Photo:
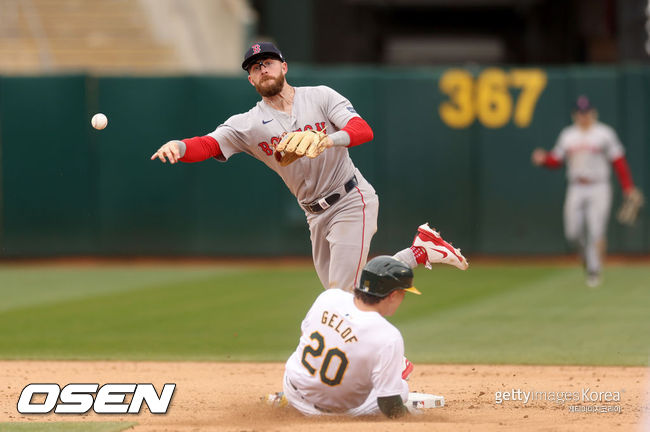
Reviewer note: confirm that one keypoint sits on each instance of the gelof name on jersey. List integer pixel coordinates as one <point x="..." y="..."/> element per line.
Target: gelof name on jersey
<point x="339" y="325"/>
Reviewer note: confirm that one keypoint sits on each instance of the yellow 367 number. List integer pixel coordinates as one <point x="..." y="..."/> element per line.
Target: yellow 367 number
<point x="489" y="98"/>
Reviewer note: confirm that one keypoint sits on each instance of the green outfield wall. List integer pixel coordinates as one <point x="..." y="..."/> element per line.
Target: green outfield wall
<point x="452" y="146"/>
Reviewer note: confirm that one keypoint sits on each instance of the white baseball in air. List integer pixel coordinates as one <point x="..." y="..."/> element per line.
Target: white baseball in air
<point x="99" y="121"/>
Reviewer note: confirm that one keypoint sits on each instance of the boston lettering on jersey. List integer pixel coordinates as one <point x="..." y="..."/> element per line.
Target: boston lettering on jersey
<point x="336" y="322"/>
<point x="269" y="149"/>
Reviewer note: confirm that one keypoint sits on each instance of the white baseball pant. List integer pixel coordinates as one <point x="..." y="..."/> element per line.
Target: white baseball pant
<point x="586" y="214"/>
<point x="368" y="407"/>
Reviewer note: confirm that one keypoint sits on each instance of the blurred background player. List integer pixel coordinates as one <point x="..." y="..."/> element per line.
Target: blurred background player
<point x="350" y="359"/>
<point x="589" y="147"/>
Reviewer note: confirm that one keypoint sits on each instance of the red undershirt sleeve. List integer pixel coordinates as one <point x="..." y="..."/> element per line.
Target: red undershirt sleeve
<point x="552" y="162"/>
<point x="359" y="131"/>
<point x="623" y="173"/>
<point x="200" y="148"/>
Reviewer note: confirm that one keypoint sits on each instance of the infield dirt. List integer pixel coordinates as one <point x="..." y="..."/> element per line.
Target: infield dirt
<point x="226" y="397"/>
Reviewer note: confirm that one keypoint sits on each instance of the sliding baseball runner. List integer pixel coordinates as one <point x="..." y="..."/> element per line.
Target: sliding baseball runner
<point x="350" y="359"/>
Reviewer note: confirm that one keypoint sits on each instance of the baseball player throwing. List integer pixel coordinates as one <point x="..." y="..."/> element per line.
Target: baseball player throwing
<point x="350" y="359"/>
<point x="588" y="146"/>
<point x="303" y="134"/>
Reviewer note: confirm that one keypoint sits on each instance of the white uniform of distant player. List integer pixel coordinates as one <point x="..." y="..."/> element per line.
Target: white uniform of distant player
<point x="588" y="155"/>
<point x="345" y="360"/>
<point x="341" y="234"/>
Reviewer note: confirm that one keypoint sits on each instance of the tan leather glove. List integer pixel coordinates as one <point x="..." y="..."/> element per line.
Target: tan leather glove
<point x="295" y="145"/>
<point x="632" y="203"/>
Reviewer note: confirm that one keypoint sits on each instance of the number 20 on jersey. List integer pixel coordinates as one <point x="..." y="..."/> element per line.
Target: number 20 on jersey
<point x="488" y="98"/>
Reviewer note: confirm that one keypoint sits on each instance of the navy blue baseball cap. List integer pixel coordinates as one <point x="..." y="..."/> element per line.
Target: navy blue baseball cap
<point x="583" y="105"/>
<point x="261" y="50"/>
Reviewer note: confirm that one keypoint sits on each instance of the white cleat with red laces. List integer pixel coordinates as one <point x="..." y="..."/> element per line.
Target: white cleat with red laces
<point x="437" y="249"/>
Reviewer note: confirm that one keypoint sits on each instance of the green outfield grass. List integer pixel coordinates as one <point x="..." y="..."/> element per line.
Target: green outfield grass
<point x="489" y="314"/>
<point x="66" y="427"/>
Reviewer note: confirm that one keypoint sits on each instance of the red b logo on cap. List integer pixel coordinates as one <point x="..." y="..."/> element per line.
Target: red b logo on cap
<point x="256" y="49"/>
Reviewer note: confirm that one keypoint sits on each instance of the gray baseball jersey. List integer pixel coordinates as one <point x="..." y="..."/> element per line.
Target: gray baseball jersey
<point x="341" y="234"/>
<point x="345" y="360"/>
<point x="259" y="130"/>
<point x="588" y="154"/>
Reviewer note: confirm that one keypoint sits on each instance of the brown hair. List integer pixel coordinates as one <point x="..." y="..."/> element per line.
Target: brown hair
<point x="366" y="298"/>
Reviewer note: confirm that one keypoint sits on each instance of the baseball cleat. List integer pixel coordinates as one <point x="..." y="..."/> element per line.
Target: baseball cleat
<point x="276" y="399"/>
<point x="593" y="280"/>
<point x="437" y="249"/>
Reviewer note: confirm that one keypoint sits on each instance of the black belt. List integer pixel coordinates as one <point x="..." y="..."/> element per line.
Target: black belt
<point x="324" y="203"/>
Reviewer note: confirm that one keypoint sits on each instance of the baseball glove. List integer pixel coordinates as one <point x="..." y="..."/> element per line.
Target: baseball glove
<point x="295" y="145"/>
<point x="632" y="202"/>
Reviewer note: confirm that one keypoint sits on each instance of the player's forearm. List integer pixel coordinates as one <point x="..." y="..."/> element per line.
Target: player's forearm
<point x="198" y="149"/>
<point x="356" y="131"/>
<point x="622" y="170"/>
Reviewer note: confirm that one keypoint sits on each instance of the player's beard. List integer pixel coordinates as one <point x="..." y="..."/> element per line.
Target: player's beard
<point x="270" y="87"/>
